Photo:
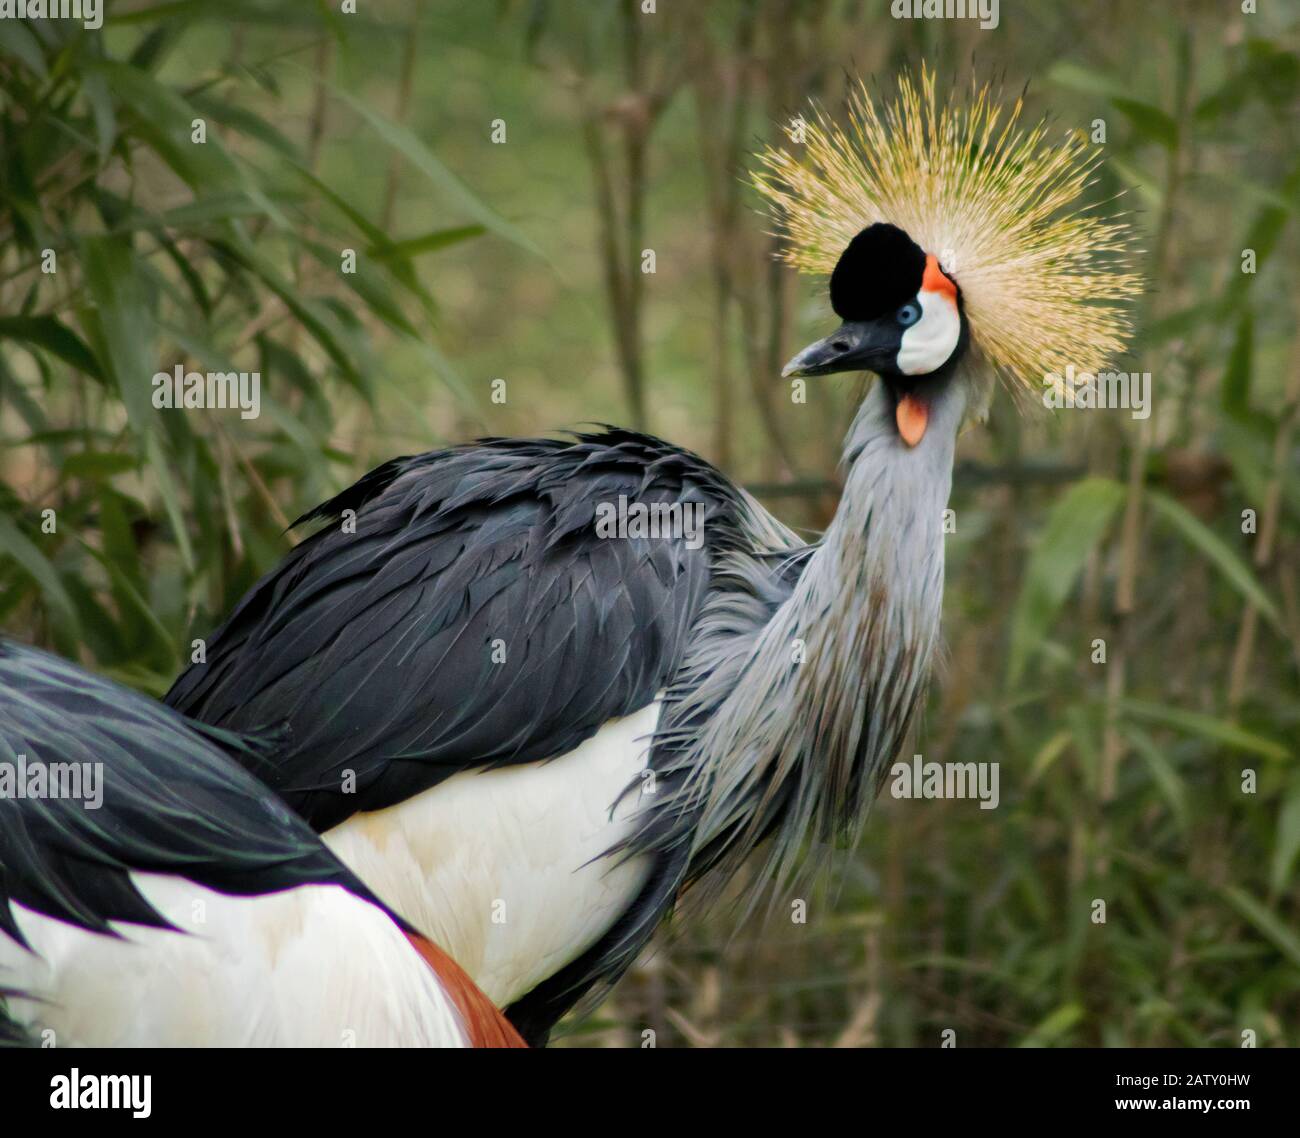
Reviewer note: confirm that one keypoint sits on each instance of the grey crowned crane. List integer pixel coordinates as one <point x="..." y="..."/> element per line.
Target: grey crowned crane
<point x="532" y="736"/>
<point x="152" y="892"/>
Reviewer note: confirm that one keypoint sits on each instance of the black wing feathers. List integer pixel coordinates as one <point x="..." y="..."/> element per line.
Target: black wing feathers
<point x="474" y="618"/>
<point x="172" y="802"/>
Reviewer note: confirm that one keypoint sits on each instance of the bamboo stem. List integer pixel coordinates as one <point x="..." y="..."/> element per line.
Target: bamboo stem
<point x="1113" y="746"/>
<point x="1268" y="531"/>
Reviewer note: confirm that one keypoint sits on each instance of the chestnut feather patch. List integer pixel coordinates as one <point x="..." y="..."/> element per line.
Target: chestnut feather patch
<point x="484" y="1023"/>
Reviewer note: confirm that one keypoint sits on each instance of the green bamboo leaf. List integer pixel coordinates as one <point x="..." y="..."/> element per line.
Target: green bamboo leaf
<point x="56" y="338"/>
<point x="1235" y="388"/>
<point x="1054" y="1026"/>
<point x="241" y="250"/>
<point x="191" y="276"/>
<point x="118" y="543"/>
<point x="1207" y="727"/>
<point x="171" y="500"/>
<point x="29" y="409"/>
<point x="307" y="444"/>
<point x="1089" y="80"/>
<point x="125" y="321"/>
<point x="165" y="119"/>
<point x="1146" y="187"/>
<point x="16" y="39"/>
<point x="1183" y="322"/>
<point x="1168" y="781"/>
<point x="101" y="634"/>
<point x="1219" y="553"/>
<point x="1287" y="845"/>
<point x="1047" y="755"/>
<point x="447" y="372"/>
<point x="369" y="285"/>
<point x="419" y="155"/>
<point x="428" y="243"/>
<point x="15" y="544"/>
<point x="137" y="611"/>
<point x="278" y="360"/>
<point x="97" y="465"/>
<point x="1266" y="921"/>
<point x="245" y="121"/>
<point x="402" y="269"/>
<point x="1248" y="446"/>
<point x="1263" y="236"/>
<point x="372" y="232"/>
<point x="212" y="208"/>
<point x="1150" y="121"/>
<point x="1074" y="526"/>
<point x="96" y="92"/>
<point x="147" y="54"/>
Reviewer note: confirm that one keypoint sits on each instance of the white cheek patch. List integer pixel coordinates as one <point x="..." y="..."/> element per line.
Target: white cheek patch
<point x="928" y="343"/>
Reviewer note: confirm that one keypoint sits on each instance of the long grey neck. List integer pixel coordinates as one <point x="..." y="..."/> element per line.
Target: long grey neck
<point x="793" y="729"/>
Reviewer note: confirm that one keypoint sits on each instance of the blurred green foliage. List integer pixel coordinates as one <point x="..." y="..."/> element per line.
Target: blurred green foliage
<point x="1127" y="781"/>
<point x="154" y="220"/>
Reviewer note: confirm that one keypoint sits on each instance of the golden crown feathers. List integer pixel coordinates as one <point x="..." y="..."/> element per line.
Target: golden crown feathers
<point x="1044" y="282"/>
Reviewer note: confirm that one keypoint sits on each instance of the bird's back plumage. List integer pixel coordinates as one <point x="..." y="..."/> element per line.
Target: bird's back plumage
<point x="473" y="619"/>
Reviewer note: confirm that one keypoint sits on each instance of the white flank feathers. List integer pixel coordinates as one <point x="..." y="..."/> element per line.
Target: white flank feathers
<point x="314" y="966"/>
<point x="503" y="868"/>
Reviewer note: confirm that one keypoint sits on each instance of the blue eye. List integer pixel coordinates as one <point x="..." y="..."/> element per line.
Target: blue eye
<point x="908" y="315"/>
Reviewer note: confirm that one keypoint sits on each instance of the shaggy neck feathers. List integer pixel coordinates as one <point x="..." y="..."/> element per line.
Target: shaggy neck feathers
<point x="789" y="709"/>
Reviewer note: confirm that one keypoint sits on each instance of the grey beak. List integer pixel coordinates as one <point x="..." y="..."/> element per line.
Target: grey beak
<point x="856" y="345"/>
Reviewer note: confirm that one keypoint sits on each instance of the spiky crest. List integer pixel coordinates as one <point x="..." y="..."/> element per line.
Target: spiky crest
<point x="1045" y="283"/>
